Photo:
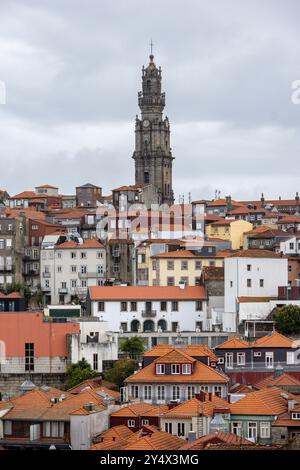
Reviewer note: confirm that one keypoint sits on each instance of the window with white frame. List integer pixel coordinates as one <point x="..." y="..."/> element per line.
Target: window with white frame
<point x="131" y="423"/>
<point x="295" y="415"/>
<point x="180" y="429"/>
<point x="160" y="369"/>
<point x="145" y="422"/>
<point x="241" y="359"/>
<point x="190" y="392"/>
<point x="252" y="430"/>
<point x="7" y="428"/>
<point x="135" y="391"/>
<point x="175" y="369"/>
<point x="169" y="428"/>
<point x="236" y="428"/>
<point x="161" y="392"/>
<point x="147" y="392"/>
<point x="265" y="429"/>
<point x="186" y="369"/>
<point x="175" y="392"/>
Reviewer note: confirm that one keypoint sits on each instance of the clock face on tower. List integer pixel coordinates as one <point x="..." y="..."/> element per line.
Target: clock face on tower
<point x="146" y="123"/>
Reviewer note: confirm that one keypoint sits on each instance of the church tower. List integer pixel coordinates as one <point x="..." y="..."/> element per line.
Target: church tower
<point x="152" y="155"/>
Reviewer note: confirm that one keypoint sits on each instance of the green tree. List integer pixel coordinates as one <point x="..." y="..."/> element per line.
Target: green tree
<point x="287" y="320"/>
<point x="79" y="372"/>
<point x="120" y="371"/>
<point x="133" y="346"/>
<point x="17" y="287"/>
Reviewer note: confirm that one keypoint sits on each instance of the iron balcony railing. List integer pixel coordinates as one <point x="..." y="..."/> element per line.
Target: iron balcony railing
<point x="148" y="313"/>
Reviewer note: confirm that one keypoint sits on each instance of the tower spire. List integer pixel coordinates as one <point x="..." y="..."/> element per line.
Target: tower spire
<point x="151" y="50"/>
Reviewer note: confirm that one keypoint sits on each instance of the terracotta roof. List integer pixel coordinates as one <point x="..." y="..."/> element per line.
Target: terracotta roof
<point x="255" y="299"/>
<point x="87" y="244"/>
<point x="156" y="441"/>
<point x="12" y="295"/>
<point x="147" y="293"/>
<point x="223" y="202"/>
<point x="285" y="420"/>
<point x="175" y="254"/>
<point x="201" y="374"/>
<point x="61" y="411"/>
<point x="175" y="356"/>
<point x="195" y="407"/>
<point x="46" y="186"/>
<point x="24" y="195"/>
<point x="197" y="350"/>
<point x="139" y="409"/>
<point x="275" y="340"/>
<point x="283" y="380"/>
<point x="215" y="438"/>
<point x="255" y="254"/>
<point x="233" y="343"/>
<point x="288" y="219"/>
<point x="32" y="405"/>
<point x="117" y="432"/>
<point x="241" y="388"/>
<point x="267" y="402"/>
<point x="246" y="210"/>
<point x="221" y="223"/>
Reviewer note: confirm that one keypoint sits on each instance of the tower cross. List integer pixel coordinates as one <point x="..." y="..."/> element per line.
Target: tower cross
<point x="151" y="47"/>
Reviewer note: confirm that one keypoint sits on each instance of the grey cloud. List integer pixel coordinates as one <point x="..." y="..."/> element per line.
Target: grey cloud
<point x="72" y="71"/>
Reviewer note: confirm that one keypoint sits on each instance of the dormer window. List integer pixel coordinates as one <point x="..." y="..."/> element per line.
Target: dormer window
<point x="175" y="369"/>
<point x="186" y="369"/>
<point x="296" y="416"/>
<point x="160" y="369"/>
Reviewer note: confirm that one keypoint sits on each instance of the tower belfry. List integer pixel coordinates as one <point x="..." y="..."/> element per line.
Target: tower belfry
<point x="152" y="155"/>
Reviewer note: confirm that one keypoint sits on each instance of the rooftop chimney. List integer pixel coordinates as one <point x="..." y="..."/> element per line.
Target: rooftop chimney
<point x="191" y="436"/>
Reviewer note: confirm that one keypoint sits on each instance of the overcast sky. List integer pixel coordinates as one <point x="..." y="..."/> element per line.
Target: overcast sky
<point x="72" y="71"/>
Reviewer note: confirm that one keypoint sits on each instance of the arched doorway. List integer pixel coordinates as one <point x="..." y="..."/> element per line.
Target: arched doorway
<point x="148" y="326"/>
<point x="162" y="324"/>
<point x="135" y="326"/>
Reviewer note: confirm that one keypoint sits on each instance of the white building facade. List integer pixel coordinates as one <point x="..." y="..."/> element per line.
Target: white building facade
<point x="147" y="309"/>
<point x="252" y="277"/>
<point x="68" y="269"/>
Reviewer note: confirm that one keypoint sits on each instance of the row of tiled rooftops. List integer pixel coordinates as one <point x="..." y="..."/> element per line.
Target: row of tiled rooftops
<point x="51" y="404"/>
<point x="151" y="438"/>
<point x="272" y="402"/>
<point x="274" y="340"/>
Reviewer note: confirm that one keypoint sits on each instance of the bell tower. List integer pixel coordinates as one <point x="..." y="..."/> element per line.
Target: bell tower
<point x="152" y="155"/>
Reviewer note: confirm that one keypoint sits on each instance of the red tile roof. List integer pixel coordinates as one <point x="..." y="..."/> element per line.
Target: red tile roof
<point x="283" y="380"/>
<point x="201" y="374"/>
<point x="233" y="343"/>
<point x="87" y="244"/>
<point x="147" y="293"/>
<point x="198" y="350"/>
<point x="215" y="438"/>
<point x="275" y="340"/>
<point x="255" y="254"/>
<point x="271" y="401"/>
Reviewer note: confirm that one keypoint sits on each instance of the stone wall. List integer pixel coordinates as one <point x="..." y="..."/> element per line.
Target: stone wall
<point x="10" y="383"/>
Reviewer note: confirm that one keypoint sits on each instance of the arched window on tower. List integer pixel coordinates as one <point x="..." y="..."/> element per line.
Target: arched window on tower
<point x="146" y="177"/>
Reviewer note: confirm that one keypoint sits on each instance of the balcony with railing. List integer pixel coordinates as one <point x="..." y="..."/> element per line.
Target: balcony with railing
<point x="63" y="290"/>
<point x="6" y="268"/>
<point x="148" y="313"/>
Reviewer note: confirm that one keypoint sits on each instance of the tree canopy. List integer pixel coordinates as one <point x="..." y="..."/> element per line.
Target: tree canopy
<point x="120" y="371"/>
<point x="79" y="372"/>
<point x="133" y="346"/>
<point x="287" y="320"/>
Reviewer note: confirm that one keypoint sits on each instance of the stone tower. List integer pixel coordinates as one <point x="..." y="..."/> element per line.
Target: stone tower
<point x="152" y="155"/>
